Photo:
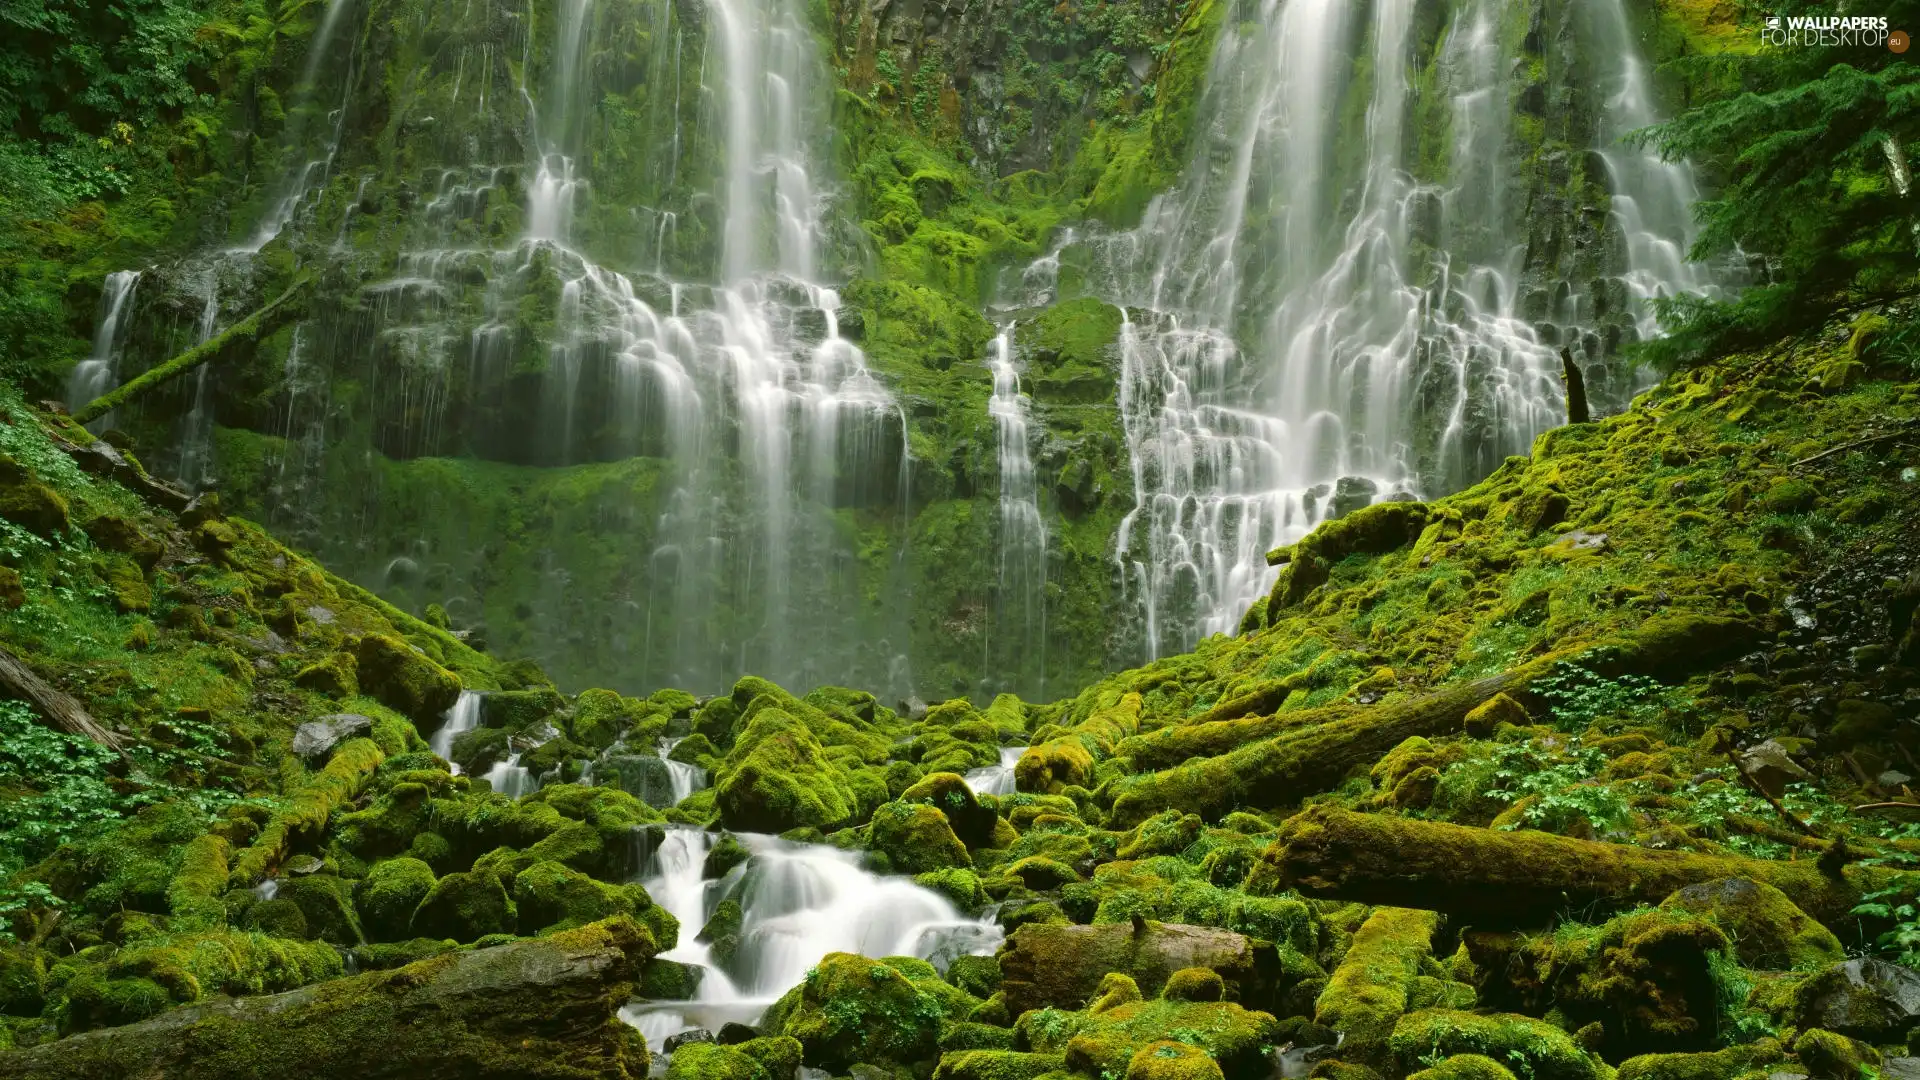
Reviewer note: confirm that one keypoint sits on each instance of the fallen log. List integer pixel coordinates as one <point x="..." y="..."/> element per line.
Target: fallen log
<point x="276" y="313"/>
<point x="59" y="707"/>
<point x="545" y="1008"/>
<point x="1302" y="760"/>
<point x="1492" y="878"/>
<point x="1210" y="738"/>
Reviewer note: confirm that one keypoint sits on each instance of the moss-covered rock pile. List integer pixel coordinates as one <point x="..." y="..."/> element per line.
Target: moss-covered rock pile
<point x="1601" y="768"/>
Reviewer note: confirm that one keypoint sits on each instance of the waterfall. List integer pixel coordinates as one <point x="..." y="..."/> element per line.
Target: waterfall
<point x="1319" y="318"/>
<point x="798" y="902"/>
<point x="462" y="717"/>
<point x="685" y="779"/>
<point x="996" y="779"/>
<point x="510" y="778"/>
<point x="1652" y="198"/>
<point x="1023" y="534"/>
<point x="99" y="372"/>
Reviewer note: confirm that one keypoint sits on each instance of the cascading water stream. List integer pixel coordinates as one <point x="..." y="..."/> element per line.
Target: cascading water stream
<point x="996" y="779"/>
<point x="798" y="903"/>
<point x="1022" y="623"/>
<point x="99" y="372"/>
<point x="686" y="779"/>
<point x="461" y="718"/>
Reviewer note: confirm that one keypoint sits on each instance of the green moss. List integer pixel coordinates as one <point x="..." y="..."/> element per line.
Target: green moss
<point x="1766" y="928"/>
<point x="465" y="907"/>
<point x="985" y="1064"/>
<point x="960" y="885"/>
<point x="1369" y="990"/>
<point x="1465" y="1067"/>
<point x="401" y="677"/>
<point x="550" y="897"/>
<point x="853" y="1010"/>
<point x="1542" y="1050"/>
<point x="916" y="839"/>
<point x="778" y="777"/>
<point x="1235" y="1038"/>
<point x="387" y="898"/>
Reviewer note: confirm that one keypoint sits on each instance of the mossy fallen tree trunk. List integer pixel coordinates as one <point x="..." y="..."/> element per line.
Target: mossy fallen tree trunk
<point x="1172" y="745"/>
<point x="1494" y="878"/>
<point x="1269" y="762"/>
<point x="276" y="313"/>
<point x="66" y="713"/>
<point x="1302" y="758"/>
<point x="546" y="1008"/>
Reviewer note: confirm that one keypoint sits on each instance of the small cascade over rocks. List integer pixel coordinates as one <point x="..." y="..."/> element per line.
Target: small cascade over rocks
<point x="996" y="779"/>
<point x="686" y="779"/>
<point x="462" y="717"/>
<point x="99" y="372"/>
<point x="798" y="903"/>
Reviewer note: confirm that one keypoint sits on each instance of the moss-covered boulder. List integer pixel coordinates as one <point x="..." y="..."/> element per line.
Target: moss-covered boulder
<point x="1866" y="998"/>
<point x="996" y="1065"/>
<point x="549" y="896"/>
<point x="778" y="777"/>
<point x="1767" y="929"/>
<point x="601" y="716"/>
<point x="405" y="679"/>
<point x="1103" y="1042"/>
<point x="465" y="907"/>
<point x="916" y="839"/>
<point x="973" y="822"/>
<point x="547" y="1008"/>
<point x="1543" y="1050"/>
<point x="388" y="896"/>
<point x="1465" y="1067"/>
<point x="1063" y="966"/>
<point x="1371" y="988"/>
<point x="851" y="1010"/>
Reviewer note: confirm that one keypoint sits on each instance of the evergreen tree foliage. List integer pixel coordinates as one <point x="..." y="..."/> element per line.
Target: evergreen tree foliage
<point x="1813" y="179"/>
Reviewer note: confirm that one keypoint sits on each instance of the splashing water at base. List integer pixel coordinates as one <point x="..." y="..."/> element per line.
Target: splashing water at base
<point x="996" y="779"/>
<point x="799" y="902"/>
<point x="512" y="779"/>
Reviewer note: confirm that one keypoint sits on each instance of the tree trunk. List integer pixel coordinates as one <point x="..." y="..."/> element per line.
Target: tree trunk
<point x="543" y="1009"/>
<point x="283" y="309"/>
<point x="67" y="714"/>
<point x="1491" y="878"/>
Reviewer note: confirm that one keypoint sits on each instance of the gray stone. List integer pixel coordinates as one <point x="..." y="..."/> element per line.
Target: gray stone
<point x="1866" y="998"/>
<point x="691" y="1035"/>
<point x="315" y="739"/>
<point x="1770" y="766"/>
<point x="1900" y="1068"/>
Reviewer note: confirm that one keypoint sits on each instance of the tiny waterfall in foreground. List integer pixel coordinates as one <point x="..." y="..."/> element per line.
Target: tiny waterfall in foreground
<point x="462" y="717"/>
<point x="996" y="779"/>
<point x="1318" y="317"/>
<point x="798" y="902"/>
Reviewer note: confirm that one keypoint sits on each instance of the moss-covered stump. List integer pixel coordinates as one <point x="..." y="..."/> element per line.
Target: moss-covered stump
<point x="546" y="1008"/>
<point x="1515" y="878"/>
<point x="1062" y="966"/>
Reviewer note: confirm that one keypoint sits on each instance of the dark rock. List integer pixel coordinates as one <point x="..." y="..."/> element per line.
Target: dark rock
<point x="692" y="1035"/>
<point x="732" y="1033"/>
<point x="1351" y="493"/>
<point x="1866" y="998"/>
<point x="315" y="739"/>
